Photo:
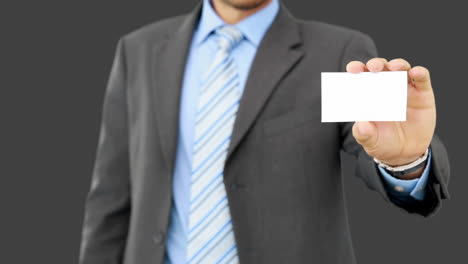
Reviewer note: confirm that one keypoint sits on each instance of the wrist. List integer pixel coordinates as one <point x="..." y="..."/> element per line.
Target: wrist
<point x="412" y="175"/>
<point x="411" y="169"/>
<point x="402" y="161"/>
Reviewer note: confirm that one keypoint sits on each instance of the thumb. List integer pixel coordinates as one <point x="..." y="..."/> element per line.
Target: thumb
<point x="365" y="134"/>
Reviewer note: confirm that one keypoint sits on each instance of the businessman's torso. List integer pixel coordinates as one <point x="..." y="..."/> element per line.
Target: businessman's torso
<point x="282" y="174"/>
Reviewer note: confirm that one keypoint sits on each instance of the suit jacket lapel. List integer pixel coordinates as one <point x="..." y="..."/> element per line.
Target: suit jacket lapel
<point x="168" y="65"/>
<point x="276" y="55"/>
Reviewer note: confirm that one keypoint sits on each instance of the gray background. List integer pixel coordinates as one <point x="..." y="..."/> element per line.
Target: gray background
<point x="55" y="58"/>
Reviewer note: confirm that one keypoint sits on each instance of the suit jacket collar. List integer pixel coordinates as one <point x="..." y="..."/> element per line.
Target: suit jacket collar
<point x="282" y="39"/>
<point x="277" y="54"/>
<point x="167" y="68"/>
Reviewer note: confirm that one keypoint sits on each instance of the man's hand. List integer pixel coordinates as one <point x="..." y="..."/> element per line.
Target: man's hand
<point x="399" y="143"/>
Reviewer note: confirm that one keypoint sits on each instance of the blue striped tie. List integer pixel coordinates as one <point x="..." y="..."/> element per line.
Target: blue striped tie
<point x="211" y="238"/>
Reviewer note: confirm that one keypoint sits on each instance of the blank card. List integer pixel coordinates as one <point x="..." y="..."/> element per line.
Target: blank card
<point x="365" y="96"/>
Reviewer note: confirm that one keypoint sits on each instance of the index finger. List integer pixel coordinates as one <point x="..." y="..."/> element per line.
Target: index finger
<point x="356" y="67"/>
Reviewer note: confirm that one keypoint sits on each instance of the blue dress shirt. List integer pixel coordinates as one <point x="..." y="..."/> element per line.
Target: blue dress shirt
<point x="415" y="188"/>
<point x="202" y="51"/>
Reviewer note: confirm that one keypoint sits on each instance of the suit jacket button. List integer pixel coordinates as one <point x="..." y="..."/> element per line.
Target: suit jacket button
<point x="234" y="186"/>
<point x="158" y="238"/>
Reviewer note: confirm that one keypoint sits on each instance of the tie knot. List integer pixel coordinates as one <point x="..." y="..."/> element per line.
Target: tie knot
<point x="228" y="37"/>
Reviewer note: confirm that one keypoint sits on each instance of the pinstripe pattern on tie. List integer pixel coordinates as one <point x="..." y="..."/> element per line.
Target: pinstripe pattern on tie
<point x="210" y="237"/>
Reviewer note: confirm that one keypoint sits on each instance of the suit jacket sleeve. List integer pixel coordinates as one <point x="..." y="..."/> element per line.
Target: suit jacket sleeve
<point x="361" y="47"/>
<point x="107" y="206"/>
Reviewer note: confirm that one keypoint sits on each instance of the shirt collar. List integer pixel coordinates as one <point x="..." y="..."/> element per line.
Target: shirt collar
<point x="253" y="27"/>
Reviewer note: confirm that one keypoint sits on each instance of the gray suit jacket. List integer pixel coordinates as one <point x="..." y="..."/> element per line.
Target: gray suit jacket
<point x="282" y="173"/>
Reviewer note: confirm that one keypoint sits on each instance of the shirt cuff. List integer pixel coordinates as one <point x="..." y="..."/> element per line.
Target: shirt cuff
<point x="415" y="188"/>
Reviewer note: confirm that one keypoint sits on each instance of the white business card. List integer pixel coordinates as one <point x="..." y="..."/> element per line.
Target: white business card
<point x="366" y="96"/>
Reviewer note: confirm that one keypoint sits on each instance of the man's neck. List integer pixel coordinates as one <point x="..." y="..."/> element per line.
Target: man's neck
<point x="233" y="15"/>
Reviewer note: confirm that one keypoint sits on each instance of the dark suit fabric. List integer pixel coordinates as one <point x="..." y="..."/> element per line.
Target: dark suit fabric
<point x="282" y="173"/>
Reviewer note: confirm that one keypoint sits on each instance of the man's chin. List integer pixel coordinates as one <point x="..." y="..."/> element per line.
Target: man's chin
<point x="245" y="4"/>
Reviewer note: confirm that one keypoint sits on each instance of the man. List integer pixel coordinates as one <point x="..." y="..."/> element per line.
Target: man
<point x="212" y="150"/>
